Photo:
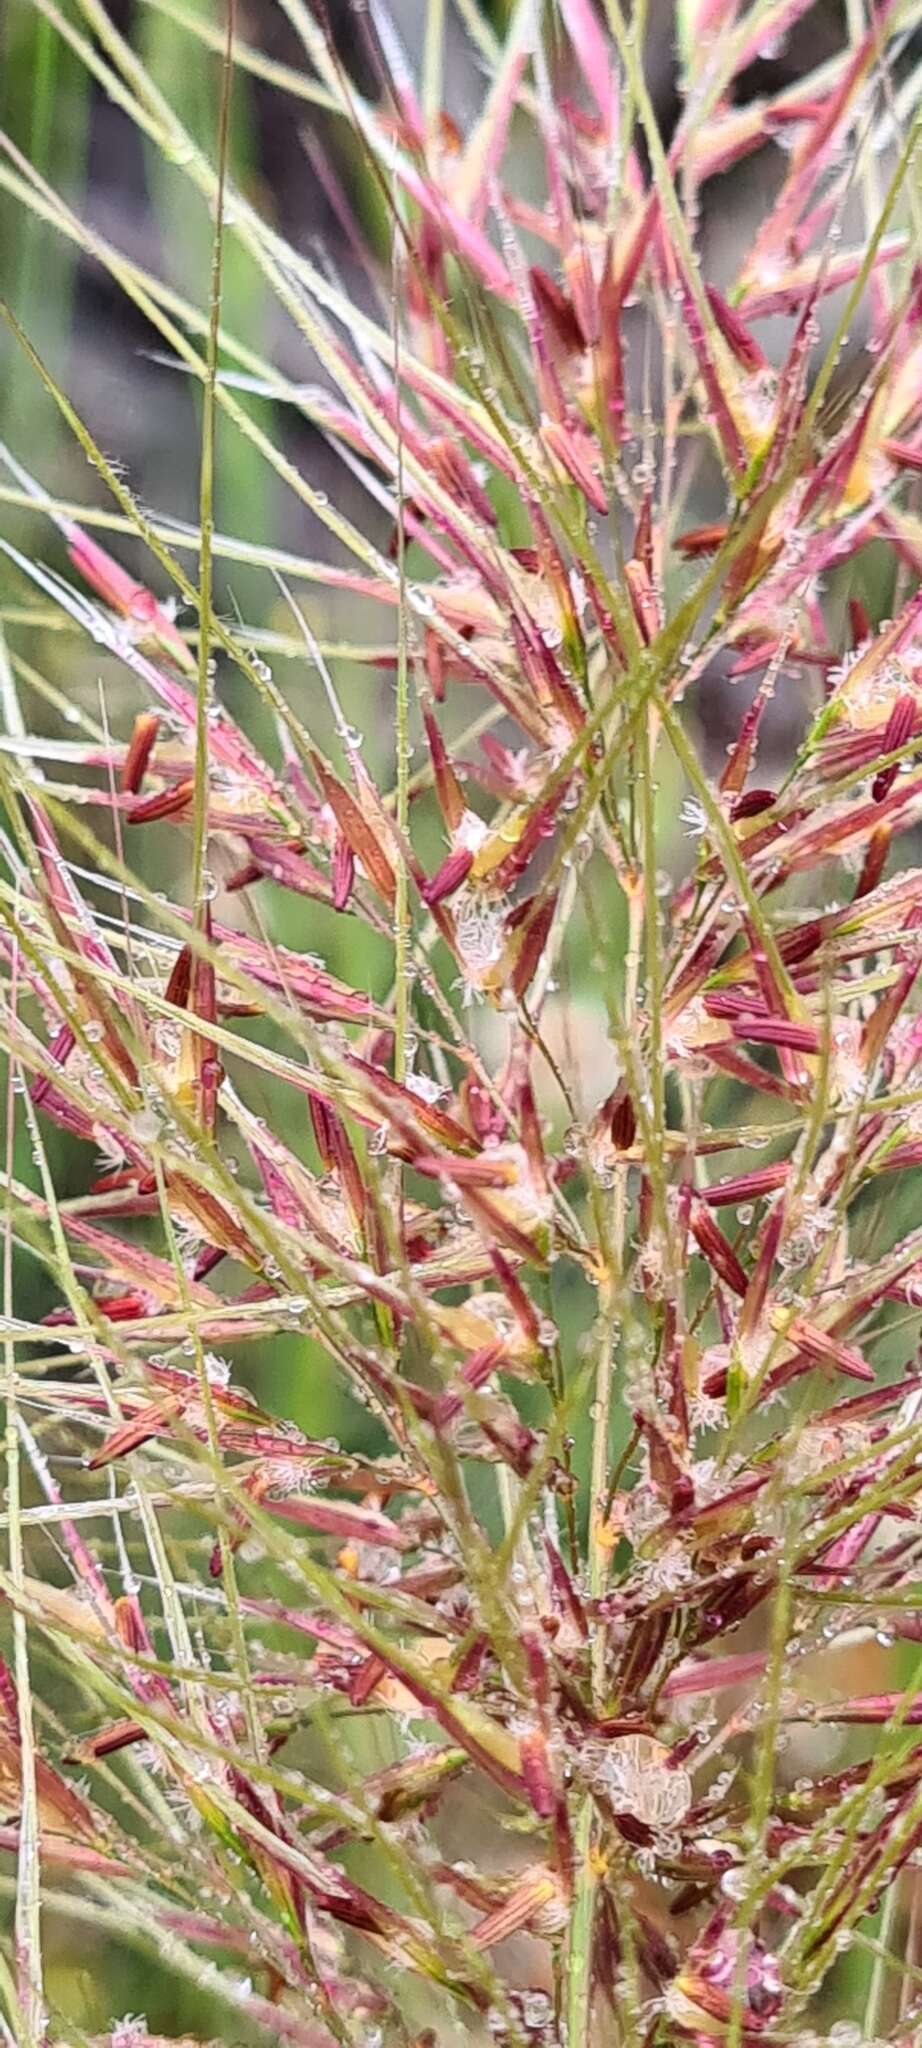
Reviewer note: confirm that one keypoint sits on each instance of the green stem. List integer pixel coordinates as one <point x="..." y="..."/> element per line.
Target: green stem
<point x="30" y="2002"/>
<point x="206" y="482"/>
<point x="401" y="902"/>
<point x="579" y="1958"/>
<point x="877" y="1990"/>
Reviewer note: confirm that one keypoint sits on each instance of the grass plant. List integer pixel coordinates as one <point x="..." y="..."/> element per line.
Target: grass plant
<point x="416" y="1020"/>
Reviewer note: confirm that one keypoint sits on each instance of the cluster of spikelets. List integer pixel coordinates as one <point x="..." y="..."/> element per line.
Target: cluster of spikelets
<point x="623" y="1675"/>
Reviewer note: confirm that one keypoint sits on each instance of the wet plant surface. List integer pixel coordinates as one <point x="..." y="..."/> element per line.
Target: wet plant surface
<point x="414" y="1014"/>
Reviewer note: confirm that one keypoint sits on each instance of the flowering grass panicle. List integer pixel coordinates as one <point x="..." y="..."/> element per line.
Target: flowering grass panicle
<point x="571" y="1693"/>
